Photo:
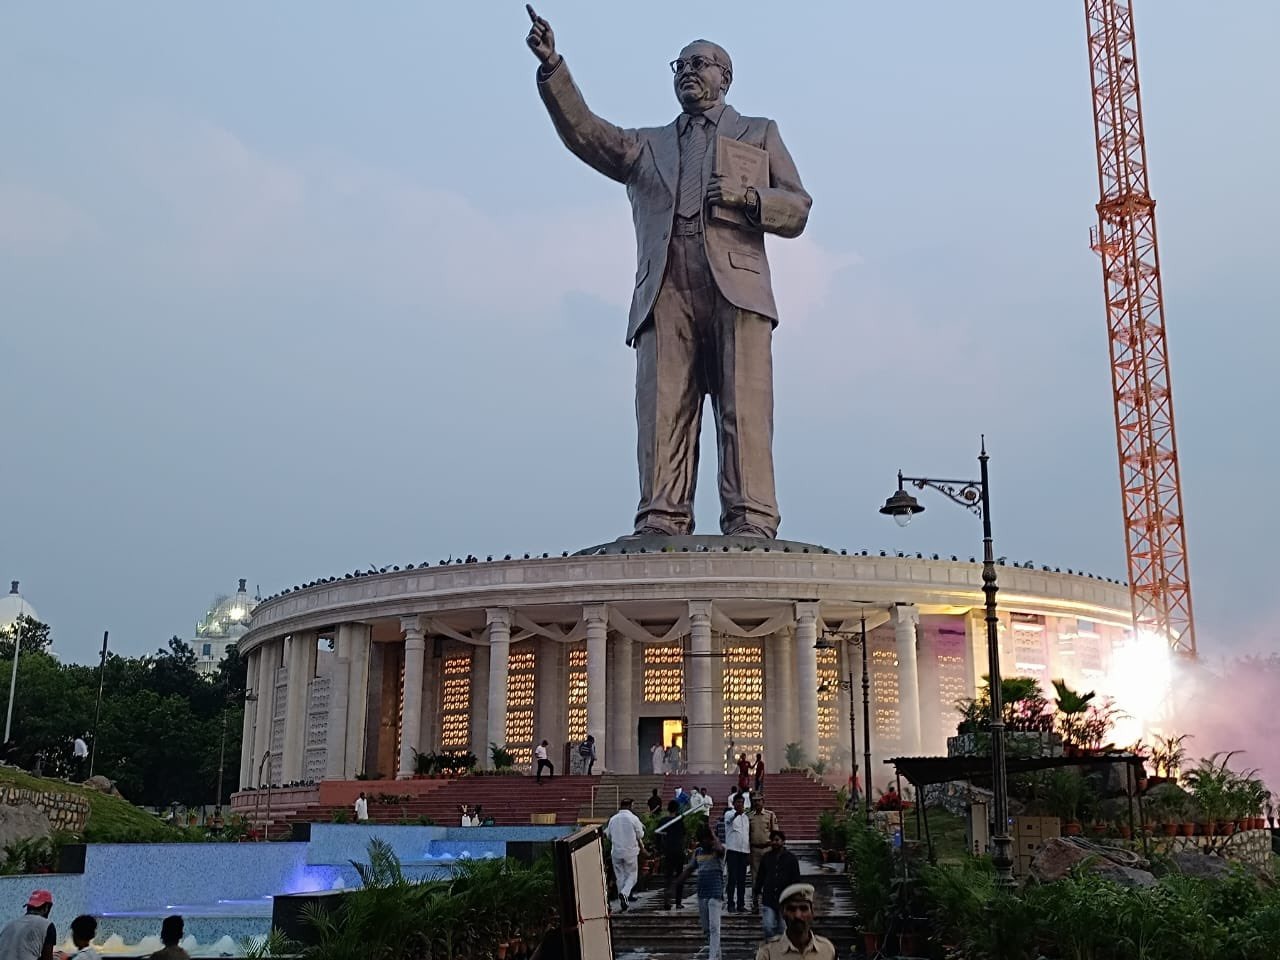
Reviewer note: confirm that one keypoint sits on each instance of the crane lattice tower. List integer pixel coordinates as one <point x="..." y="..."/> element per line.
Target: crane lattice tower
<point x="1125" y="238"/>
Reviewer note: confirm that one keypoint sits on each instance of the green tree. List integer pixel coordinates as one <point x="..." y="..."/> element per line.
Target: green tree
<point x="34" y="634"/>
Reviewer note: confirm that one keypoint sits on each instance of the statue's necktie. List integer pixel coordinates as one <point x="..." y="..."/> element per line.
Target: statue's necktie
<point x="692" y="153"/>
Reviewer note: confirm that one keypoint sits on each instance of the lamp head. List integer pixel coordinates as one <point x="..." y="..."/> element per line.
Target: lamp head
<point x="902" y="506"/>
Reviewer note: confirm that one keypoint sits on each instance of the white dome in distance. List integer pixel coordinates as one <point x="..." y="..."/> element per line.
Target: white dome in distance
<point x="12" y="606"/>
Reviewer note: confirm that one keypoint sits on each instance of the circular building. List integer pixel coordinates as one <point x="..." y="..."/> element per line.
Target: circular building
<point x="708" y="643"/>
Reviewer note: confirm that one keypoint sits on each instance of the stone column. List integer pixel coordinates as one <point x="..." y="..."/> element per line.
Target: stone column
<point x="844" y="698"/>
<point x="250" y="717"/>
<point x="358" y="636"/>
<point x="623" y="750"/>
<point x="268" y="661"/>
<point x="975" y="635"/>
<point x="807" y="678"/>
<point x="339" y="692"/>
<point x="499" y="621"/>
<point x="411" y="695"/>
<point x="904" y="617"/>
<point x="704" y="751"/>
<point x="780" y="675"/>
<point x="302" y="658"/>
<point x="597" y="617"/>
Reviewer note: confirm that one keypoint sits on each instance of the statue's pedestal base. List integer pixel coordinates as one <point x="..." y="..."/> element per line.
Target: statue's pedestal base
<point x="699" y="543"/>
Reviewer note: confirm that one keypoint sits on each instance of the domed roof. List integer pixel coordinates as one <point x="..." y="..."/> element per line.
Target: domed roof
<point x="228" y="616"/>
<point x="12" y="606"/>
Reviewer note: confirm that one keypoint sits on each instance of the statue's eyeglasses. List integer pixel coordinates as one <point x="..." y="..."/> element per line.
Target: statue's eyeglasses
<point x="696" y="64"/>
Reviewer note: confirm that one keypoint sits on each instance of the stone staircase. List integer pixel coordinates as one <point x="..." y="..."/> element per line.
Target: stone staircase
<point x="511" y="800"/>
<point x="647" y="932"/>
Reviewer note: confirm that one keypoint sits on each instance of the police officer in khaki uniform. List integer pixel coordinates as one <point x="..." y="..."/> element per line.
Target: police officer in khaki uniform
<point x="799" y="941"/>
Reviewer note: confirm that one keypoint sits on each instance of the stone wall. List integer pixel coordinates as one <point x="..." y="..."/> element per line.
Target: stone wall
<point x="66" y="811"/>
<point x="1252" y="847"/>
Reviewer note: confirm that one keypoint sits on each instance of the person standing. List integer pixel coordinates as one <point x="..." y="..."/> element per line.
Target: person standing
<point x="171" y="931"/>
<point x="674" y="760"/>
<point x="762" y="825"/>
<point x="83" y="929"/>
<point x="779" y="869"/>
<point x="744" y="773"/>
<point x="31" y="936"/>
<point x="362" y="808"/>
<point x="625" y="833"/>
<point x="587" y="751"/>
<point x="728" y="758"/>
<point x="759" y="771"/>
<point x="655" y="802"/>
<point x="798" y="938"/>
<point x="79" y="757"/>
<point x="737" y="842"/>
<point x="540" y="754"/>
<point x="657" y="758"/>
<point x="670" y="833"/>
<point x="707" y="863"/>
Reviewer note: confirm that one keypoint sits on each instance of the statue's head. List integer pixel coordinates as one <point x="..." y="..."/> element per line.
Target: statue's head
<point x="703" y="73"/>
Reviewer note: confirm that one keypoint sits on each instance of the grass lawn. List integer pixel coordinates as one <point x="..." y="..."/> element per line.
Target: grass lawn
<point x="110" y="818"/>
<point x="947" y="832"/>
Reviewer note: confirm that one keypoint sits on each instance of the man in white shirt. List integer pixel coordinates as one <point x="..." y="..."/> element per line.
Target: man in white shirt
<point x="79" y="757"/>
<point x="362" y="809"/>
<point x="540" y="754"/>
<point x="625" y="833"/>
<point x="737" y="844"/>
<point x="657" y="758"/>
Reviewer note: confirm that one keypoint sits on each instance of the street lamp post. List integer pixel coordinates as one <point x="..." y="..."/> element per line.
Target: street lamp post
<point x="860" y="640"/>
<point x="975" y="496"/>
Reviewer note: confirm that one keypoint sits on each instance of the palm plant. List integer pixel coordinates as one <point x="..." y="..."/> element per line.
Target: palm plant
<point x="1072" y="706"/>
<point x="1168" y="754"/>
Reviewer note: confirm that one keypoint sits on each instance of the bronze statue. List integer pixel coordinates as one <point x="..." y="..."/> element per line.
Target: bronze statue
<point x="702" y="315"/>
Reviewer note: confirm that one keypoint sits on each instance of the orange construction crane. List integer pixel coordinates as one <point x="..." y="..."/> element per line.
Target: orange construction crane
<point x="1125" y="238"/>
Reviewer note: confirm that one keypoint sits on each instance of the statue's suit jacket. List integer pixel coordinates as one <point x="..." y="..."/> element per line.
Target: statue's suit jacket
<point x="647" y="160"/>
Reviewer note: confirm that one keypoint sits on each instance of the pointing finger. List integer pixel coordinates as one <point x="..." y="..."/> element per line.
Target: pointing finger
<point x="532" y="16"/>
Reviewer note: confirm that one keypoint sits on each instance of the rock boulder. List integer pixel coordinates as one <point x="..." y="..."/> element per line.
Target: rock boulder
<point x="21" y="821"/>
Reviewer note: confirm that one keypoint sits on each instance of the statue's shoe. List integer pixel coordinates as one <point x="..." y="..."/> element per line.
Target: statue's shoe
<point x="749" y="530"/>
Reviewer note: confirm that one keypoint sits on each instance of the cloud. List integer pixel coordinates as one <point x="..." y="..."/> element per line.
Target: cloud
<point x="207" y="207"/>
<point x="38" y="224"/>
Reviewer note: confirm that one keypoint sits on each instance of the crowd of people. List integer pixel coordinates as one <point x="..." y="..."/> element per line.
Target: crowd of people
<point x="33" y="936"/>
<point x="744" y="849"/>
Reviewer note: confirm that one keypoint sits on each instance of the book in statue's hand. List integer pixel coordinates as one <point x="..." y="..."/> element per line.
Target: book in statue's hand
<point x="744" y="166"/>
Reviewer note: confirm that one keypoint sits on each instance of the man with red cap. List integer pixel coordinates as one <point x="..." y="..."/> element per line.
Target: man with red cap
<point x="30" y="936"/>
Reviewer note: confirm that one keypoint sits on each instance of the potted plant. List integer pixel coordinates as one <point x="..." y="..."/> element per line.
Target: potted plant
<point x="424" y="764"/>
<point x="503" y="760"/>
<point x="1071" y="708"/>
<point x="1065" y="790"/>
<point x="870" y="873"/>
<point x="795" y="757"/>
<point x="1167" y="756"/>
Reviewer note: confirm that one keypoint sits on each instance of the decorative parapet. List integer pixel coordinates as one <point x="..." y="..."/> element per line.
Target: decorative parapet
<point x="67" y="812"/>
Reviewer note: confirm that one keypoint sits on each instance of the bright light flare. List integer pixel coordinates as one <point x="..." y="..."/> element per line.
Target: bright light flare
<point x="1140" y="681"/>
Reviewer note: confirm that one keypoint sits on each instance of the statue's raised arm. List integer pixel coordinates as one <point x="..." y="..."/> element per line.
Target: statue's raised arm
<point x="541" y="40"/>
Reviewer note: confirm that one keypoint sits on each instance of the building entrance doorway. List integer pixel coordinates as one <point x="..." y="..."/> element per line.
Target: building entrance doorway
<point x="666" y="731"/>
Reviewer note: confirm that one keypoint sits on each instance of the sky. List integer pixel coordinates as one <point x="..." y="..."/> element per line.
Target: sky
<point x="292" y="289"/>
